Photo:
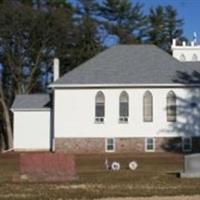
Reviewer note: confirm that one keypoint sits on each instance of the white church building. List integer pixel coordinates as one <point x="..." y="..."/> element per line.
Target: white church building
<point x="129" y="98"/>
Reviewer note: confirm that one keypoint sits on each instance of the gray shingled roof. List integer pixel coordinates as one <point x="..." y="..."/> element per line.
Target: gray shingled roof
<point x="192" y="64"/>
<point x="128" y="64"/>
<point x="31" y="101"/>
<point x="191" y="75"/>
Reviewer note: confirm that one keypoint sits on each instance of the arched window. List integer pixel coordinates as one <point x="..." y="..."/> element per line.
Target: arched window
<point x="194" y="57"/>
<point x="148" y="107"/>
<point x="171" y="107"/>
<point x="123" y="107"/>
<point x="182" y="57"/>
<point x="99" y="107"/>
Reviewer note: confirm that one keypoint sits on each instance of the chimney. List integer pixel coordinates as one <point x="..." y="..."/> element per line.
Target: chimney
<point x="174" y="42"/>
<point x="56" y="69"/>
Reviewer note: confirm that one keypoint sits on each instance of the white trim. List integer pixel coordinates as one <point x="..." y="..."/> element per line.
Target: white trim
<point x="30" y="150"/>
<point x="121" y="85"/>
<point x="106" y="144"/>
<point x="190" y="144"/>
<point x="154" y="142"/>
<point x="188" y="47"/>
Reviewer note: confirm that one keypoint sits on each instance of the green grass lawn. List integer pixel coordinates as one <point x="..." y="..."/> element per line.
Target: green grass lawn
<point x="156" y="175"/>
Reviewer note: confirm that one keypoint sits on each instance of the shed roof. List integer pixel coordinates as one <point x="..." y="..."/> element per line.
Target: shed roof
<point x="31" y="101"/>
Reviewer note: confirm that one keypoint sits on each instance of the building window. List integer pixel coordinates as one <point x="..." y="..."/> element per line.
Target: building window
<point x="187" y="144"/>
<point x="148" y="107"/>
<point x="99" y="107"/>
<point x="123" y="107"/>
<point x="149" y="144"/>
<point x="194" y="57"/>
<point x="110" y="145"/>
<point x="171" y="107"/>
<point x="182" y="58"/>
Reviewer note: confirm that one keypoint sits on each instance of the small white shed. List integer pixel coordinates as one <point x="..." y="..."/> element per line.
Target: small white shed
<point x="31" y="122"/>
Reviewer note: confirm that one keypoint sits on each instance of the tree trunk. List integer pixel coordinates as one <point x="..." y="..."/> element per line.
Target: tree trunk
<point x="6" y="119"/>
<point x="8" y="127"/>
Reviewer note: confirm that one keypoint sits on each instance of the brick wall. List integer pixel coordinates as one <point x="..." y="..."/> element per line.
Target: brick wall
<point x="122" y="145"/>
<point x="80" y="145"/>
<point x="130" y="145"/>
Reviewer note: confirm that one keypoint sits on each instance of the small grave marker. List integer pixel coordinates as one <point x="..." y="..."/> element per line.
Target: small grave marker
<point x="191" y="166"/>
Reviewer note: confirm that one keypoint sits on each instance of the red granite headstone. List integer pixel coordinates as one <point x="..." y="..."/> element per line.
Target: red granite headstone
<point x="47" y="167"/>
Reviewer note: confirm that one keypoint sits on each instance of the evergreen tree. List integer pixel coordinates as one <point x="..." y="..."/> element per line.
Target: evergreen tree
<point x="124" y="19"/>
<point x="157" y="24"/>
<point x="173" y="26"/>
<point x="164" y="25"/>
<point x="88" y="39"/>
<point x="87" y="8"/>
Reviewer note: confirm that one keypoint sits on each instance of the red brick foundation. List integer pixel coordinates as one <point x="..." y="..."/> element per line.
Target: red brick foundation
<point x="122" y="145"/>
<point x="80" y="145"/>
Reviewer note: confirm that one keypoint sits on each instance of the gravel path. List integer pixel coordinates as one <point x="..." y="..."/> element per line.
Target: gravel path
<point x="194" y="197"/>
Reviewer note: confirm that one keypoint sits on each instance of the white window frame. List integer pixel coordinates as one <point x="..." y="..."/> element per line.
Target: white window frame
<point x="148" y="118"/>
<point x="194" y="57"/>
<point x="99" y="120"/>
<point x="146" y="144"/>
<point x="182" y="58"/>
<point x="190" y="143"/>
<point x="106" y="145"/>
<point x="171" y="96"/>
<point x="123" y="120"/>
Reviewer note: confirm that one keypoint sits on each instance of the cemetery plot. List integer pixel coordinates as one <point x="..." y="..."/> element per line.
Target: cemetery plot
<point x="155" y="175"/>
